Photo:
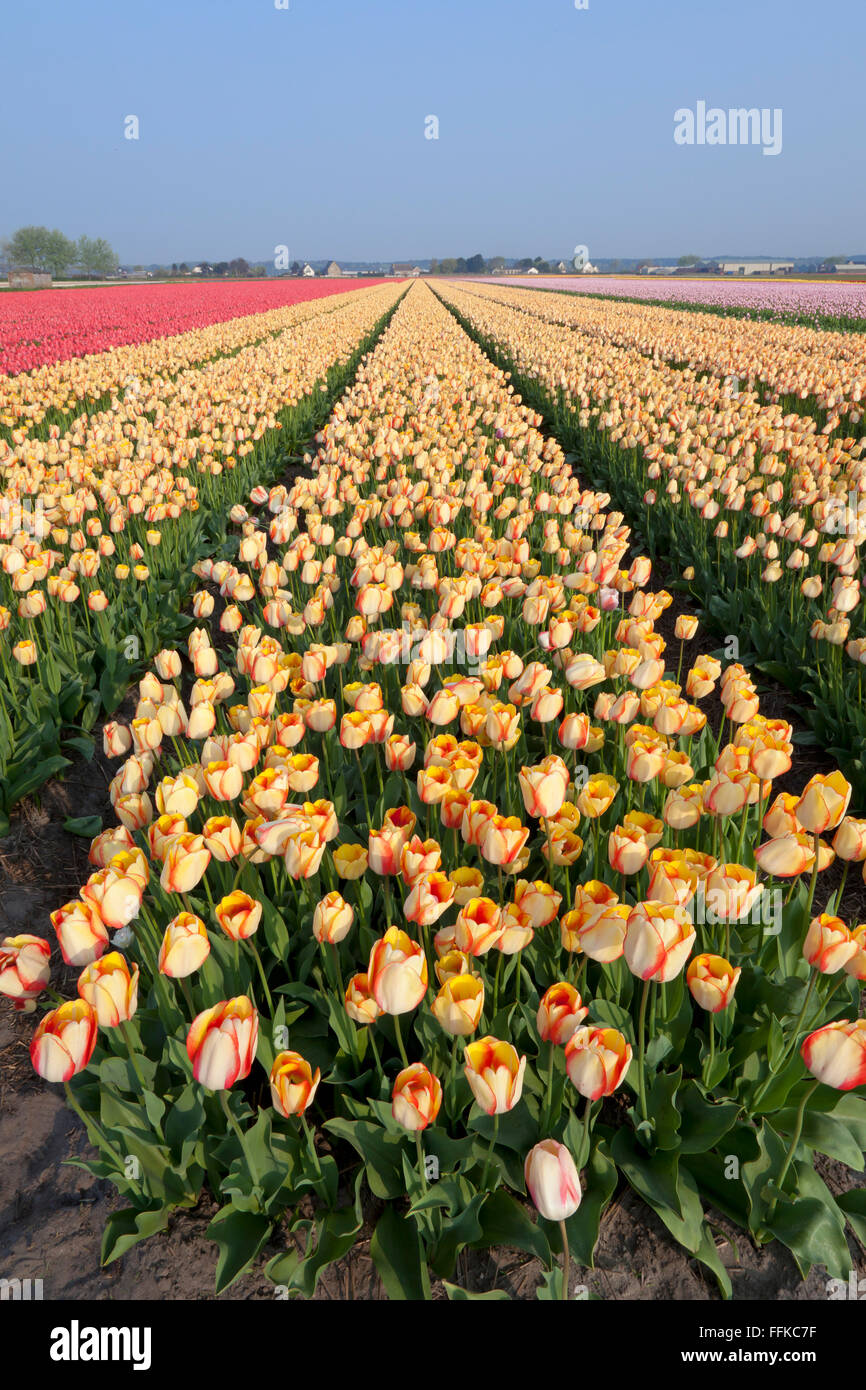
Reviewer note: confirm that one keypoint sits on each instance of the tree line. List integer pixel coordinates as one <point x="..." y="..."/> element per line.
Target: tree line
<point x="477" y="265"/>
<point x="44" y="250"/>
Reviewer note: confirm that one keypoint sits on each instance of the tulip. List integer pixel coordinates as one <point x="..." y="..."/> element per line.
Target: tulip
<point x="552" y="1180"/>
<point x="829" y="945"/>
<point x="239" y="915"/>
<point x="360" y="1004"/>
<point x="416" y="1097"/>
<point x="560" y="1013"/>
<point x="293" y="1085"/>
<point x="478" y="926"/>
<point x="185" y="946"/>
<point x="25" y="967"/>
<point x="597" y="1060"/>
<point x="495" y="1073"/>
<point x="350" y="861"/>
<point x="332" y="919"/>
<point x="111" y="989"/>
<point x="63" y="1043"/>
<point x="221" y="1043"/>
<point x="397" y="972"/>
<point x="836" y="1054"/>
<point x="459" y="1004"/>
<point x="186" y="861"/>
<point x="81" y="932"/>
<point x="543" y="787"/>
<point x="658" y="940"/>
<point x="712" y="981"/>
<point x="823" y="803"/>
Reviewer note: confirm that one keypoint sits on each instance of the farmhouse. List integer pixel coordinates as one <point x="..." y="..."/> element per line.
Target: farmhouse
<point x="754" y="267"/>
<point x="405" y="268"/>
<point x="333" y="270"/>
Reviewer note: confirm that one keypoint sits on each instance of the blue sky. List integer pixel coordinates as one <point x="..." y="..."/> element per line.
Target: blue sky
<point x="305" y="127"/>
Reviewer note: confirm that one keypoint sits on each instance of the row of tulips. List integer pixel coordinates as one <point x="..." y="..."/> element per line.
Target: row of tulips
<point x="756" y="506"/>
<point x="826" y="371"/>
<point x="60" y="351"/>
<point x="98" y="528"/>
<point x="521" y="940"/>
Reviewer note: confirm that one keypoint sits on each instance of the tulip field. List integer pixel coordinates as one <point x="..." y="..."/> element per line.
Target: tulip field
<point x="449" y="891"/>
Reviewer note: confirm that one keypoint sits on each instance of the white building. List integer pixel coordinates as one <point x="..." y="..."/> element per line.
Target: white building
<point x="754" y="267"/>
<point x="308" y="270"/>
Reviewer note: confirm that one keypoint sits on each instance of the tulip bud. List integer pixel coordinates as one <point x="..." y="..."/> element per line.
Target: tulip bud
<point x="416" y="1097"/>
<point x="293" y="1085"/>
<point x="552" y="1180"/>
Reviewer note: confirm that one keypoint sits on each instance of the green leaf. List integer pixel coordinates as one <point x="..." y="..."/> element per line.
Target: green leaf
<point x="86" y="826"/>
<point x="661" y="1104"/>
<point x="458" y="1295"/>
<point x="336" y="1234"/>
<point x="814" y="1232"/>
<point x="653" y="1177"/>
<point x="380" y="1151"/>
<point x="127" y="1227"/>
<point x="240" y="1235"/>
<point x="399" y="1258"/>
<point x="822" y="1132"/>
<point x="703" y="1122"/>
<point x="583" y="1227"/>
<point x="505" y="1222"/>
<point x="853" y="1204"/>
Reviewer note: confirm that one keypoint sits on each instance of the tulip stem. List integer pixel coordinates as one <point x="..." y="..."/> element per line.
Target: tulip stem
<point x="255" y="950"/>
<point x="792" y="1042"/>
<point x="585" y="1143"/>
<point x="184" y="984"/>
<point x="239" y="1135"/>
<point x="566" y="1257"/>
<point x="91" y="1125"/>
<point x="795" y="1139"/>
<point x="548" y="1107"/>
<point x="130" y="1043"/>
<point x="399" y="1037"/>
<point x="375" y="1047"/>
<point x="493" y="1138"/>
<point x="421" y="1166"/>
<point x="641" y="1034"/>
<point x="364" y="791"/>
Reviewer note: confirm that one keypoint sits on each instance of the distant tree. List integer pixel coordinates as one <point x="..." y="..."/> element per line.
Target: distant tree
<point x="834" y="260"/>
<point x="295" y="268"/>
<point x="448" y="266"/>
<point x="524" y="263"/>
<point x="95" y="257"/>
<point x="475" y="265"/>
<point x="60" y="253"/>
<point x="28" y="248"/>
<point x="496" y="263"/>
<point x="239" y="266"/>
<point x="183" y="268"/>
<point x="174" y="267"/>
<point x="689" y="260"/>
<point x="434" y="267"/>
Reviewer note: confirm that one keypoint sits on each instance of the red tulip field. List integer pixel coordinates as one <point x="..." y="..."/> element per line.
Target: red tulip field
<point x="432" y="794"/>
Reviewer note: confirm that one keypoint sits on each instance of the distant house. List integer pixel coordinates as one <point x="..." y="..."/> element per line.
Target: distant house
<point x="589" y="269"/>
<point x="754" y="267"/>
<point x="29" y="280"/>
<point x="562" y="267"/>
<point x="333" y="270"/>
<point x="533" y="270"/>
<point x="307" y="270"/>
<point x="404" y="268"/>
